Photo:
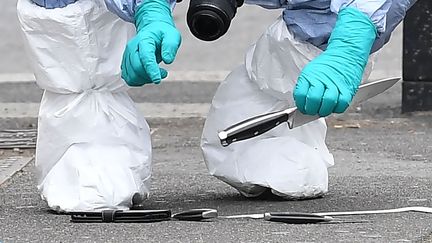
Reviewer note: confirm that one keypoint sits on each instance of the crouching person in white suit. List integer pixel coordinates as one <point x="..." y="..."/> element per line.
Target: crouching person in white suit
<point x="93" y="148"/>
<point x="314" y="57"/>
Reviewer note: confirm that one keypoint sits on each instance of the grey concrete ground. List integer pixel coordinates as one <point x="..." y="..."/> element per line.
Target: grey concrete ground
<point x="383" y="164"/>
<point x="383" y="159"/>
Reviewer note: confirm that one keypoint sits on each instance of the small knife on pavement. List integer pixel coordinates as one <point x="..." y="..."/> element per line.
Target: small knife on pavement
<point x="294" y="218"/>
<point x="258" y="125"/>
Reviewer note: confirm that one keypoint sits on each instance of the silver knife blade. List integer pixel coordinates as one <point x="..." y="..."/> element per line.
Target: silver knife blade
<point x="258" y="125"/>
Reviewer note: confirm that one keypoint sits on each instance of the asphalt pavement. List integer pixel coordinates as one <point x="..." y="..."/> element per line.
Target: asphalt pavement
<point x="380" y="164"/>
<point x="383" y="159"/>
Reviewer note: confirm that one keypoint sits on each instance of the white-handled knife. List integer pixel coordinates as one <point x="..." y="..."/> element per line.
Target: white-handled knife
<point x="258" y="125"/>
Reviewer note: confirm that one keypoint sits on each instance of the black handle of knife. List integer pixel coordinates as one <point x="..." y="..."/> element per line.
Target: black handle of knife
<point x="119" y="216"/>
<point x="259" y="125"/>
<point x="296" y="218"/>
<point x="196" y="214"/>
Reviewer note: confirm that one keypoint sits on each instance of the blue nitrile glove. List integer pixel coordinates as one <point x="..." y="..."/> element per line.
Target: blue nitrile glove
<point x="50" y="4"/>
<point x="157" y="40"/>
<point x="329" y="82"/>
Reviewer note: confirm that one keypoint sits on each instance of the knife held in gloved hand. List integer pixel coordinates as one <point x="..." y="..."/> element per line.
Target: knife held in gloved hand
<point x="258" y="125"/>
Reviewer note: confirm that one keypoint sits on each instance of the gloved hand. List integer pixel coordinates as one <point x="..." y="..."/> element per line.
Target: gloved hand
<point x="329" y="82"/>
<point x="157" y="40"/>
<point x="50" y="4"/>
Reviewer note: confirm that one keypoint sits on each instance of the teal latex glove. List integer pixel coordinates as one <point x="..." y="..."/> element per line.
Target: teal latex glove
<point x="329" y="82"/>
<point x="157" y="40"/>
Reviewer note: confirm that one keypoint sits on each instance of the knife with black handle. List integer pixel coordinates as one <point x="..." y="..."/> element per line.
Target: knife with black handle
<point x="196" y="214"/>
<point x="258" y="125"/>
<point x="254" y="126"/>
<point x="120" y="216"/>
<point x="296" y="218"/>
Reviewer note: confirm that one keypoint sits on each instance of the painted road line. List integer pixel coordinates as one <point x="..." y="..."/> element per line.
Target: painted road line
<point x="10" y="166"/>
<point x="191" y="76"/>
<point x="174" y="110"/>
<point x="16" y="77"/>
<point x="197" y="76"/>
<point x="149" y="110"/>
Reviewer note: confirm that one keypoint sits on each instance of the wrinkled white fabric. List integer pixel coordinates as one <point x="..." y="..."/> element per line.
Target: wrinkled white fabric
<point x="292" y="163"/>
<point x="93" y="148"/>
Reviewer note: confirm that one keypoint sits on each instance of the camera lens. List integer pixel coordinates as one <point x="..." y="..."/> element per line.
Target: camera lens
<point x="207" y="26"/>
<point x="210" y="19"/>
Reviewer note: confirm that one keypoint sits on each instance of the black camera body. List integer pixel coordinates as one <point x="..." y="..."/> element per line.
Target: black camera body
<point x="210" y="19"/>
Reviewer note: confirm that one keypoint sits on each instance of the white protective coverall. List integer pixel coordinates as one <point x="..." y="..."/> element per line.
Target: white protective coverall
<point x="291" y="163"/>
<point x="93" y="148"/>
